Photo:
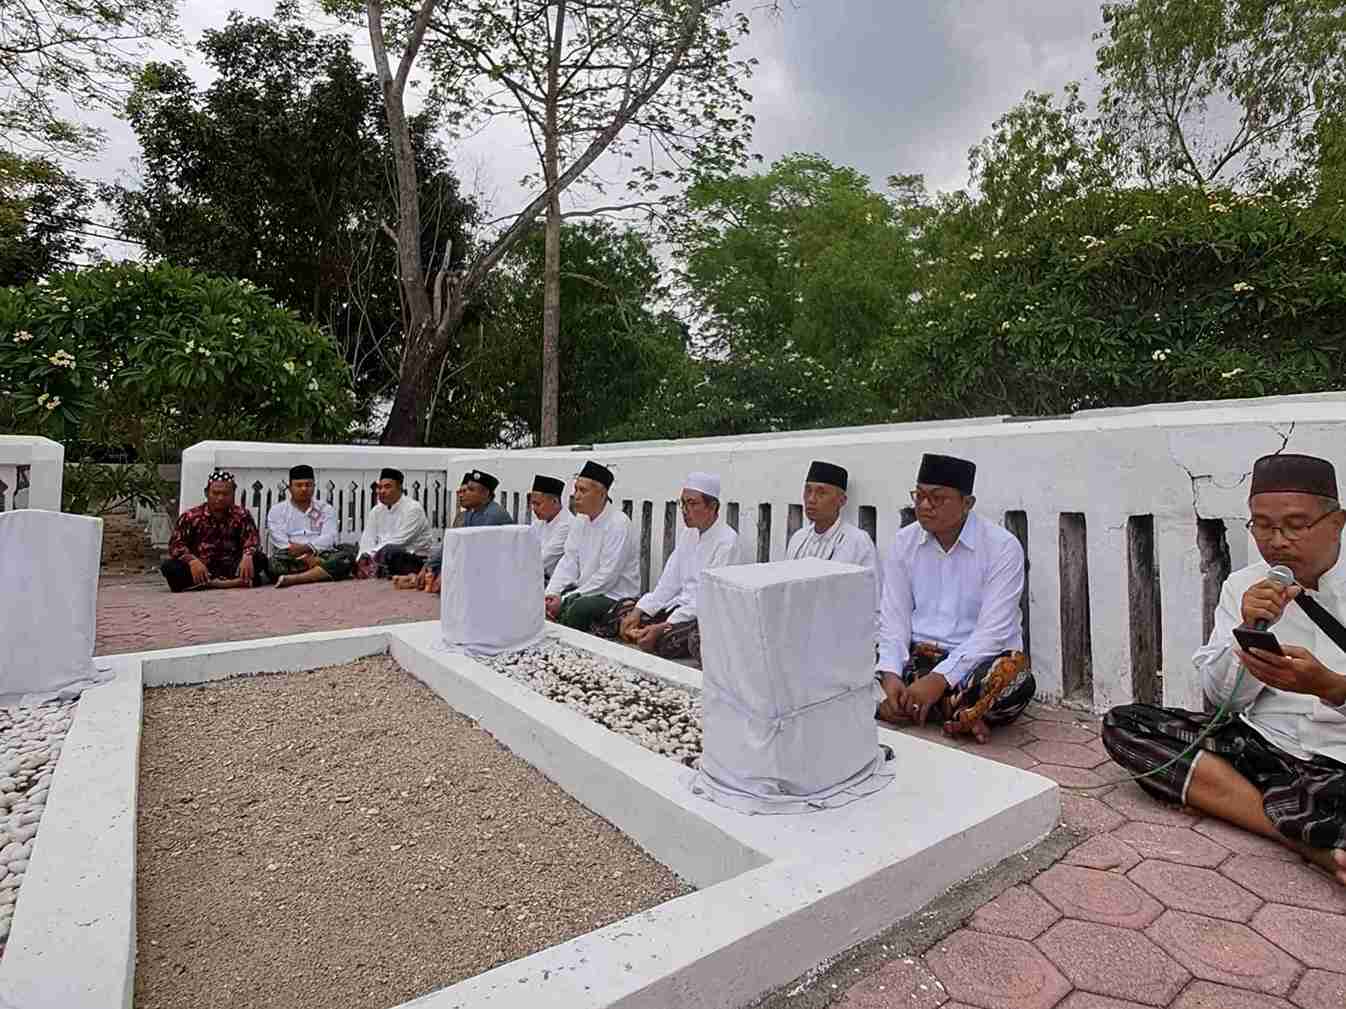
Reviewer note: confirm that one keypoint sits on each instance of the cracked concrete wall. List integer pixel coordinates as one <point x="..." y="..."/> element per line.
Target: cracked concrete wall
<point x="1180" y="463"/>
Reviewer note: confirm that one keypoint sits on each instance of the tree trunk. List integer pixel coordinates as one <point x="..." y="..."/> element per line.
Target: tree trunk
<point x="551" y="263"/>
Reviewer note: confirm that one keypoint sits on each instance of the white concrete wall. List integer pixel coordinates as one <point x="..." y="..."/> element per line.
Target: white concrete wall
<point x="1177" y="463"/>
<point x="43" y="460"/>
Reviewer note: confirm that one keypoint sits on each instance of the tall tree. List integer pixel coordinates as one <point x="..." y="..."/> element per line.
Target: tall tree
<point x="586" y="77"/>
<point x="278" y="172"/>
<point x="42" y="218"/>
<point x="80" y="51"/>
<point x="803" y="256"/>
<point x="1223" y="92"/>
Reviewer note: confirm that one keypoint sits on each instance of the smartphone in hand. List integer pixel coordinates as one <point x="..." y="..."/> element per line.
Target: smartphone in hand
<point x="1250" y="638"/>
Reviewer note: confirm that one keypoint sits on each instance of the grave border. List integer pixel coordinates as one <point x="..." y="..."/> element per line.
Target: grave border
<point x="777" y="894"/>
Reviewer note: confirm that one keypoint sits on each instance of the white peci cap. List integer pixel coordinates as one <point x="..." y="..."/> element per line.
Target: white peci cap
<point x="704" y="483"/>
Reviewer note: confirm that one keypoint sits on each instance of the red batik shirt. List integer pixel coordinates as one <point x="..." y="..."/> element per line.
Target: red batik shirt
<point x="218" y="542"/>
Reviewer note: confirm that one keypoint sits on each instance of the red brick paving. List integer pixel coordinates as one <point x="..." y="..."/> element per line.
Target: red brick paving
<point x="1017" y="951"/>
<point x="138" y="613"/>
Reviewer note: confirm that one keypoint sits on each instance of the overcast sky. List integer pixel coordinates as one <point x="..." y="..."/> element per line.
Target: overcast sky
<point x="885" y="86"/>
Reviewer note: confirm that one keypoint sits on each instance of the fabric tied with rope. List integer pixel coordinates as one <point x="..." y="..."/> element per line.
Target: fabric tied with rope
<point x="787" y="652"/>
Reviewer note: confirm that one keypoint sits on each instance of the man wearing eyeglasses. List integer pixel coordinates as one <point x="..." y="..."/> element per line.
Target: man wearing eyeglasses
<point x="1277" y="766"/>
<point x="950" y="611"/>
<point x="663" y="621"/>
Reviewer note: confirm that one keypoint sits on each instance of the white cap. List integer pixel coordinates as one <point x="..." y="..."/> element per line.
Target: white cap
<point x="705" y="483"/>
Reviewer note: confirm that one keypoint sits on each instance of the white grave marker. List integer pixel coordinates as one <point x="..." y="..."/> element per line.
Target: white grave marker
<point x="491" y="600"/>
<point x="48" y="596"/>
<point x="787" y="652"/>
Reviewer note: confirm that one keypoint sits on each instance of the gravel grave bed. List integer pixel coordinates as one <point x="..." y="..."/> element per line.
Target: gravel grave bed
<point x="661" y="718"/>
<point x="30" y="744"/>
<point x="343" y="838"/>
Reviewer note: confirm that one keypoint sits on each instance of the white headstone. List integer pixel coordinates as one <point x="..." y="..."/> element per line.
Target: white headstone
<point x="48" y="597"/>
<point x="787" y="652"/>
<point x="491" y="595"/>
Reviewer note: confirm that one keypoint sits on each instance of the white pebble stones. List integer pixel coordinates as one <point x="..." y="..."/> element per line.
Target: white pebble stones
<point x="30" y="743"/>
<point x="661" y="718"/>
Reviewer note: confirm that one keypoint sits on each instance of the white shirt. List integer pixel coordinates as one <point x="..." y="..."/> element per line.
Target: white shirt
<point x="680" y="583"/>
<point x="1300" y="724"/>
<point x="844" y="543"/>
<point x="316" y="527"/>
<point x="600" y="557"/>
<point x="403" y="525"/>
<point x="965" y="600"/>
<point x="551" y="536"/>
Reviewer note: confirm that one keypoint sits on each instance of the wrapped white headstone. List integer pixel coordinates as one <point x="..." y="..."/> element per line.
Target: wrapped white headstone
<point x="491" y="594"/>
<point x="787" y="653"/>
<point x="48" y="597"/>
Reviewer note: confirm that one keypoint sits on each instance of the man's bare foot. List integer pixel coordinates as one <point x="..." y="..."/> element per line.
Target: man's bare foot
<point x="1331" y="860"/>
<point x="404" y="581"/>
<point x="978" y="730"/>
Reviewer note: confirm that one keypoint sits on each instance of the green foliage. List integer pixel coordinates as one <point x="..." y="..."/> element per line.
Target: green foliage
<point x="158" y="358"/>
<point x="278" y="173"/>
<point x="615" y="348"/>
<point x="96" y="488"/>
<point x="804" y="256"/>
<point x="71" y="51"/>
<point x="1127" y="297"/>
<point x="1223" y="92"/>
<point x="753" y="391"/>
<point x="42" y="208"/>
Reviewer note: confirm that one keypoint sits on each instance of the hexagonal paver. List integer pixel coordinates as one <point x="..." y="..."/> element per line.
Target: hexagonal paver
<point x="1225" y="952"/>
<point x="1113" y="772"/>
<point x="1088" y="1000"/>
<point x="1318" y="939"/>
<point x="906" y="982"/>
<point x="993" y="972"/>
<point x="1064" y="732"/>
<point x="1091" y="816"/>
<point x="1244" y="842"/>
<point x="1205" y="995"/>
<point x="1047" y="713"/>
<point x="1134" y="804"/>
<point x="1201" y="891"/>
<point x="1112" y="961"/>
<point x="1172" y="844"/>
<point x="1018" y="913"/>
<point x="1070" y="754"/>
<point x="1011" y="755"/>
<point x="1320" y="989"/>
<point x="1018" y="734"/>
<point x="1287" y="882"/>
<point x="1104" y="852"/>
<point x="1094" y="895"/>
<point x="1073" y="777"/>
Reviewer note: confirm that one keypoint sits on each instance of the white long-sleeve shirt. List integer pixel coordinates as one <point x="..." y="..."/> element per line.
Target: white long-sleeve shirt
<point x="680" y="582"/>
<point x="844" y="543"/>
<point x="965" y="600"/>
<point x="551" y="537"/>
<point x="1300" y="724"/>
<point x="601" y="557"/>
<point x="403" y="525"/>
<point x="316" y="526"/>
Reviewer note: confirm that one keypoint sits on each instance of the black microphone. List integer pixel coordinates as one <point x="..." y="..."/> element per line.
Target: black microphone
<point x="1285" y="578"/>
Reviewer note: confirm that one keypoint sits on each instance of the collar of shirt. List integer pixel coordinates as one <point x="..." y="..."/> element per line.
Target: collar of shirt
<point x="1333" y="580"/>
<point x="967" y="536"/>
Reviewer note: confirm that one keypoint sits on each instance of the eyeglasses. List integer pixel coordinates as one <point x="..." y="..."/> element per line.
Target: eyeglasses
<point x="1264" y="530"/>
<point x="933" y="498"/>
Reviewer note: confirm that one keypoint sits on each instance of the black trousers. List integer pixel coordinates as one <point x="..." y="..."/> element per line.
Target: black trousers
<point x="178" y="573"/>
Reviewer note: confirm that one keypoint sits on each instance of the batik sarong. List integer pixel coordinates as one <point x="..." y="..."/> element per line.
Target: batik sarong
<point x="997" y="690"/>
<point x="678" y="641"/>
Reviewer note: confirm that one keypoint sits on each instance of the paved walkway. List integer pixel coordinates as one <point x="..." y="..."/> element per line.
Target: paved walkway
<point x="1155" y="906"/>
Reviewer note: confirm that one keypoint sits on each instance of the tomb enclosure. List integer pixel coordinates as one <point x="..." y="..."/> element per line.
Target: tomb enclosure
<point x="1131" y="517"/>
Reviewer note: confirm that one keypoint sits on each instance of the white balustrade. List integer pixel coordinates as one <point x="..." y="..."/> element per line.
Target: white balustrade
<point x="1126" y="513"/>
<point x="31" y="471"/>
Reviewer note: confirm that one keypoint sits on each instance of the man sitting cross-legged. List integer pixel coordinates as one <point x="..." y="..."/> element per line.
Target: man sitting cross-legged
<point x="215" y="545"/>
<point x="477" y="507"/>
<point x="553" y="520"/>
<point x="303" y="536"/>
<point x="1277" y="767"/>
<point x="663" y="621"/>
<point x="950" y="635"/>
<point x="601" y="563"/>
<point x="397" y="539"/>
